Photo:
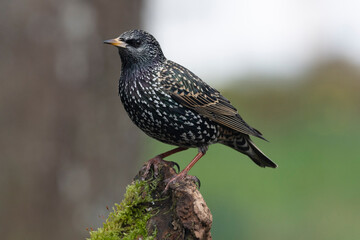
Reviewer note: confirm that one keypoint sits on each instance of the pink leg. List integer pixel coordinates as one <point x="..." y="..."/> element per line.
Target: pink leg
<point x="184" y="172"/>
<point x="171" y="152"/>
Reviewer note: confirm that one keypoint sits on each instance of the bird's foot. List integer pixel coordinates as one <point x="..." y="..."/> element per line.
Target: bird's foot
<point x="178" y="178"/>
<point x="155" y="162"/>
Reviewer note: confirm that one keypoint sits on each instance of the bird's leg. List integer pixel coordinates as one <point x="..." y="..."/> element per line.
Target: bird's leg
<point x="156" y="160"/>
<point x="184" y="172"/>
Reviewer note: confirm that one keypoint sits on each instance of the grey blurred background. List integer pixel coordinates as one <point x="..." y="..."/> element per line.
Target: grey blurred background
<point x="68" y="149"/>
<point x="66" y="145"/>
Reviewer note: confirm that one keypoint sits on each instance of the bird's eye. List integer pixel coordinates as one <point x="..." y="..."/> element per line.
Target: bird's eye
<point x="134" y="42"/>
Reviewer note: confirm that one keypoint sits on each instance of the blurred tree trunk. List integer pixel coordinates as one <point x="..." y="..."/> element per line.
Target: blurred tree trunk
<point x="65" y="140"/>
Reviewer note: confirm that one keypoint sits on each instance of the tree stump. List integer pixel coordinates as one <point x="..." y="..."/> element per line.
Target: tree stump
<point x="148" y="213"/>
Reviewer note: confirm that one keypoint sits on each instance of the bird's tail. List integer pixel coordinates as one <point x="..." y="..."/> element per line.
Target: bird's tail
<point x="244" y="145"/>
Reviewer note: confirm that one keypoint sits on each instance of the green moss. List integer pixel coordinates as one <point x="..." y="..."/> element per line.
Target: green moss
<point x="128" y="219"/>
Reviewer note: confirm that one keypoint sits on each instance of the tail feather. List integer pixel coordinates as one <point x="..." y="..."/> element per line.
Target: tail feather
<point x="244" y="145"/>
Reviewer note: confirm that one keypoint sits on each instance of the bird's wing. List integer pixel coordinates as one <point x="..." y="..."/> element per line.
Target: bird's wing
<point x="190" y="91"/>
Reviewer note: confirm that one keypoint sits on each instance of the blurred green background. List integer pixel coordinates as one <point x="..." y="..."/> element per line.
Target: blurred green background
<point x="314" y="133"/>
<point x="68" y="149"/>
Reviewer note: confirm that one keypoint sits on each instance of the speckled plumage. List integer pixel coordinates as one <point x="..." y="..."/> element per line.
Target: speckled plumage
<point x="171" y="104"/>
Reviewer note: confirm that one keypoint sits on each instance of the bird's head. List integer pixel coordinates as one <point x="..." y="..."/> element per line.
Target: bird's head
<point x="137" y="47"/>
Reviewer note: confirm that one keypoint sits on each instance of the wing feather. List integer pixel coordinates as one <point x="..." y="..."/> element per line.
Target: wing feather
<point x="199" y="96"/>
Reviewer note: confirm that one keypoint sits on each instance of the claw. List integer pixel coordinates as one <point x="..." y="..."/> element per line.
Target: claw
<point x="152" y="162"/>
<point x="174" y="180"/>
<point x="175" y="164"/>
<point x="179" y="177"/>
<point x="155" y="162"/>
<point x="196" y="180"/>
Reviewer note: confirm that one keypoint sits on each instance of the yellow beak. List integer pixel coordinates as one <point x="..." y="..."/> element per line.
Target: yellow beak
<point x="116" y="42"/>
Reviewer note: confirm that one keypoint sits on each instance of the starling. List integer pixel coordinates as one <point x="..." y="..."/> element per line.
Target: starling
<point x="171" y="104"/>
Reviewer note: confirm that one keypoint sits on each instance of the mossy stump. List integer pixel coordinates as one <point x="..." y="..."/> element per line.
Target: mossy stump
<point x="148" y="213"/>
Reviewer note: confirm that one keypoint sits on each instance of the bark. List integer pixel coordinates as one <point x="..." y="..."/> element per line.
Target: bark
<point x="184" y="213"/>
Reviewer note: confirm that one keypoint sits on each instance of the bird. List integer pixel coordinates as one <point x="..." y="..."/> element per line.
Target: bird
<point x="173" y="105"/>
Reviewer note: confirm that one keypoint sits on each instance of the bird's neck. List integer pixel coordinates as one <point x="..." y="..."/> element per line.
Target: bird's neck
<point x="133" y="74"/>
<point x="134" y="70"/>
